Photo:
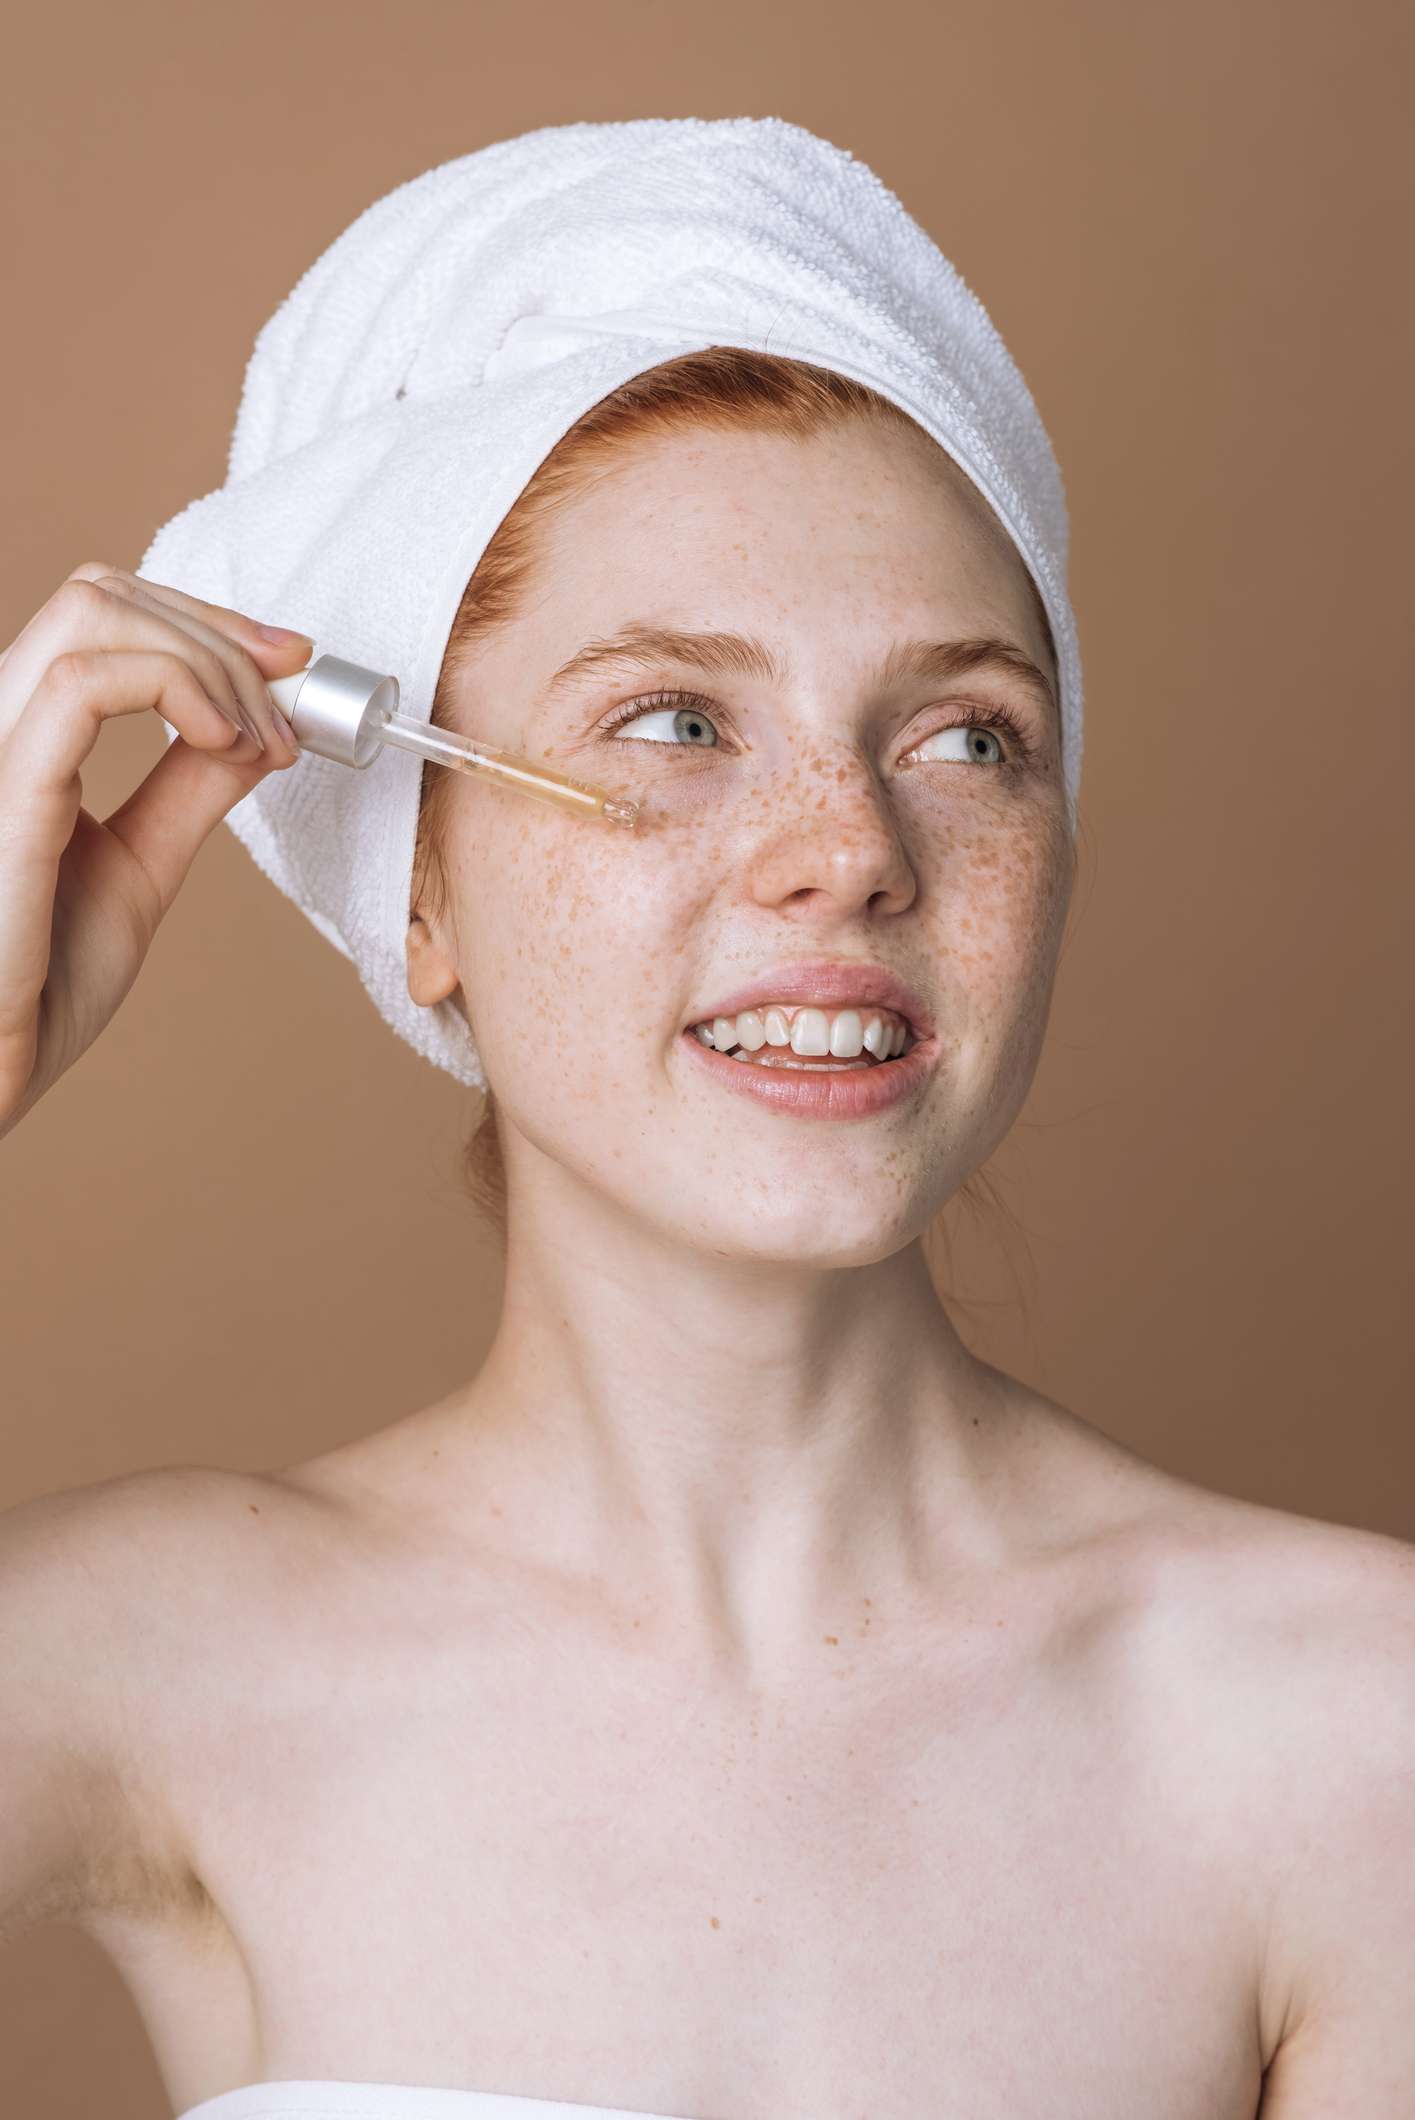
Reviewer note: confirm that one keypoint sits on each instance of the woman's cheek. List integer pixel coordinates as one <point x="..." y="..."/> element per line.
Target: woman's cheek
<point x="1010" y="913"/>
<point x="582" y="929"/>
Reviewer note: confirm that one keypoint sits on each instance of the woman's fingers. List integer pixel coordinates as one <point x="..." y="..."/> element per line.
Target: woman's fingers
<point x="82" y="618"/>
<point x="247" y="658"/>
<point x="80" y="901"/>
<point x="171" y="814"/>
<point x="238" y="660"/>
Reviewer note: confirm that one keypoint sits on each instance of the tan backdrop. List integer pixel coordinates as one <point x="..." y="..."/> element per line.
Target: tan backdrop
<point x="234" y="1234"/>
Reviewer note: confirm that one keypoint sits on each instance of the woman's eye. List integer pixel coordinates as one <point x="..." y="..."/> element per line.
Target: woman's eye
<point x="687" y="725"/>
<point x="975" y="740"/>
<point x="978" y="745"/>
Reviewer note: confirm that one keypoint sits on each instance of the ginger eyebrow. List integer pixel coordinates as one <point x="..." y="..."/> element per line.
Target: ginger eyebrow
<point x="638" y="646"/>
<point x="643" y="646"/>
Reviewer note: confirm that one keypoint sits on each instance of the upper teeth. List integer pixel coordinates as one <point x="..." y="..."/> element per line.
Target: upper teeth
<point x="841" y="1033"/>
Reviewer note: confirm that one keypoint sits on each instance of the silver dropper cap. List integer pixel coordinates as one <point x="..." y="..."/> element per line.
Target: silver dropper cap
<point x="335" y="707"/>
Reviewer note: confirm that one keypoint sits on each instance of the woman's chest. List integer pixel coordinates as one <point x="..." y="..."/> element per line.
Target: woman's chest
<point x="984" y="1895"/>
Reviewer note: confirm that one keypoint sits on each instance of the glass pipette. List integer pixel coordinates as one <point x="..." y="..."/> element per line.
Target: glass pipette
<point x="346" y="712"/>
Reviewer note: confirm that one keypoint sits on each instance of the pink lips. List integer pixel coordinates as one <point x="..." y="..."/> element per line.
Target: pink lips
<point x="829" y="986"/>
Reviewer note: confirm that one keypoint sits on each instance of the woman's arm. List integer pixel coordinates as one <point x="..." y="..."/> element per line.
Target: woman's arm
<point x="72" y="1569"/>
<point x="1341" y="1964"/>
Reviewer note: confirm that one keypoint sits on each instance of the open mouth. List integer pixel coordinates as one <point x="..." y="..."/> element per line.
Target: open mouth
<point x="828" y="1086"/>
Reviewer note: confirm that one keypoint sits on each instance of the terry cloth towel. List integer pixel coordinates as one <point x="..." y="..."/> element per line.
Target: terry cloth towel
<point x="402" y="394"/>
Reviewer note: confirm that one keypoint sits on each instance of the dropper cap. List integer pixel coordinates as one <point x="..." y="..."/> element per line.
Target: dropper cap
<point x="348" y="713"/>
<point x="336" y="707"/>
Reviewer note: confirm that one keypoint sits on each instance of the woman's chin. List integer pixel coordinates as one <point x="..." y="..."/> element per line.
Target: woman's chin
<point x="736" y="1221"/>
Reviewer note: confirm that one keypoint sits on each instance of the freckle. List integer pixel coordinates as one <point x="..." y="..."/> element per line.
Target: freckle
<point x="253" y="1509"/>
<point x="715" y="1922"/>
<point x="833" y="1639"/>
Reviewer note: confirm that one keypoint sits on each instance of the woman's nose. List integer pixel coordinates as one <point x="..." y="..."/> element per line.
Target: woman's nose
<point x="836" y="835"/>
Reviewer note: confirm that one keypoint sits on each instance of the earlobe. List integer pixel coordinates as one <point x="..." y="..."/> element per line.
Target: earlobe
<point x="431" y="974"/>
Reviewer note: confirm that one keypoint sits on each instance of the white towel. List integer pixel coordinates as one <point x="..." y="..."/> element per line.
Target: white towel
<point x="400" y="397"/>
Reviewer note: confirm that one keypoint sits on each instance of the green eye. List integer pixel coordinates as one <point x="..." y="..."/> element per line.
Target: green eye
<point x="974" y="733"/>
<point x="972" y="743"/>
<point x="690" y="726"/>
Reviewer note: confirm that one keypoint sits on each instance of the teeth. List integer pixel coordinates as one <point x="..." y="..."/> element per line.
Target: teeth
<point x="811" y="1033"/>
<point x="847" y="1035"/>
<point x="798" y="1067"/>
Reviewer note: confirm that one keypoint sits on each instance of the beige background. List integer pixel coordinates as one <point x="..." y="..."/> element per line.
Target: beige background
<point x="234" y="1234"/>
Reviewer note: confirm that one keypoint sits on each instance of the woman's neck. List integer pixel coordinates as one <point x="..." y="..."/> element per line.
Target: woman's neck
<point x="748" y="1447"/>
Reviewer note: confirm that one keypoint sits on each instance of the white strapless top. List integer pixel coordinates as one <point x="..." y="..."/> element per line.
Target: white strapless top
<point x="313" y="2100"/>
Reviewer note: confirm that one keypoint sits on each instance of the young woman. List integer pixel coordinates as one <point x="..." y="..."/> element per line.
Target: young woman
<point x="737" y="1700"/>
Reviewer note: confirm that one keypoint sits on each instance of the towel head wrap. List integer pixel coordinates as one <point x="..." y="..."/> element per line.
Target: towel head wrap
<point x="404" y="392"/>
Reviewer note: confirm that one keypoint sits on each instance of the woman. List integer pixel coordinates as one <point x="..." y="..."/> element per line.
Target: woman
<point x="738" y="1699"/>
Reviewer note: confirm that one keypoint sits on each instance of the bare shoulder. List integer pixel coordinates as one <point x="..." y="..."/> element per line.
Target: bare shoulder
<point x="1327" y="1631"/>
<point x="185" y="1570"/>
<point x="106" y="1592"/>
<point x="1297" y="1588"/>
<point x="1283" y="1649"/>
<point x="1300" y="1631"/>
<point x="122" y="1547"/>
<point x="1323" y="1634"/>
<point x="1316" y="1619"/>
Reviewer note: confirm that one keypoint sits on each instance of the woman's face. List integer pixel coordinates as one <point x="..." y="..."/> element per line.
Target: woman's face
<point x="818" y="813"/>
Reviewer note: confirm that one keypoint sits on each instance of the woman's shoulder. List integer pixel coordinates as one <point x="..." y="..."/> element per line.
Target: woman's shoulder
<point x="1202" y="1539"/>
<point x="117" y="1595"/>
<point x="1286" y="1634"/>
<point x="1289" y="1642"/>
<point x="1291" y="1638"/>
<point x="132" y="1538"/>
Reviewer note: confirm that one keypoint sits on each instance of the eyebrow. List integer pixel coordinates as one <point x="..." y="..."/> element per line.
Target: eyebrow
<point x="640" y="646"/>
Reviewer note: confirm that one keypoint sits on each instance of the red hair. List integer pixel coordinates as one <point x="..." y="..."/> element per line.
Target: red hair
<point x="724" y="387"/>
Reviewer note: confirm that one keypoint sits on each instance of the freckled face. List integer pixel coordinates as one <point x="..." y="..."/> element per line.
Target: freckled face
<point x="778" y="821"/>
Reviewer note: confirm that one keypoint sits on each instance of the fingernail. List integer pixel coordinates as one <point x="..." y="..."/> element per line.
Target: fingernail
<point x="281" y="636"/>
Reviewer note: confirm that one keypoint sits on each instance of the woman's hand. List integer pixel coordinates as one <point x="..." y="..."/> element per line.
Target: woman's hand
<point x="80" y="900"/>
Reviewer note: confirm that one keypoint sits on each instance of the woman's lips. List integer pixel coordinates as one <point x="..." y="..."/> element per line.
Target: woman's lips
<point x="836" y="1093"/>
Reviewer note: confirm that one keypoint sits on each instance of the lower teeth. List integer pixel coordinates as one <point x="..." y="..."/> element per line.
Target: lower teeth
<point x="810" y="1067"/>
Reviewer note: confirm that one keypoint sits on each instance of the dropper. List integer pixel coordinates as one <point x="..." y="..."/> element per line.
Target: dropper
<point x="346" y="712"/>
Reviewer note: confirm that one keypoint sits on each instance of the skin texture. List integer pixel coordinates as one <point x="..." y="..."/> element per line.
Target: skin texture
<point x="737" y="1700"/>
<point x="661" y="1228"/>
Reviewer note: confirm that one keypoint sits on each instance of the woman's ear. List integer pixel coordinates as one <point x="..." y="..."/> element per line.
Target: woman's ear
<point x="432" y="975"/>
